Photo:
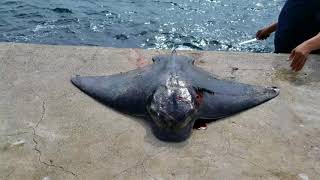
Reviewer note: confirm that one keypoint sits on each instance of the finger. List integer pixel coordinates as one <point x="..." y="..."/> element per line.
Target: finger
<point x="296" y="58"/>
<point x="301" y="64"/>
<point x="262" y="35"/>
<point x="295" y="61"/>
<point x="292" y="55"/>
<point x="294" y="64"/>
<point x="258" y="33"/>
<point x="298" y="61"/>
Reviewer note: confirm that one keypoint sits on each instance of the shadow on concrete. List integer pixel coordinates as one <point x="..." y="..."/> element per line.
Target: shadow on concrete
<point x="309" y="74"/>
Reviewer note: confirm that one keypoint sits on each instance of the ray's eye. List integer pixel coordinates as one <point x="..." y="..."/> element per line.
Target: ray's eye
<point x="199" y="98"/>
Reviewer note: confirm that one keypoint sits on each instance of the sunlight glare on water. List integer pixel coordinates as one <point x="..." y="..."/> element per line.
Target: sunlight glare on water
<point x="154" y="24"/>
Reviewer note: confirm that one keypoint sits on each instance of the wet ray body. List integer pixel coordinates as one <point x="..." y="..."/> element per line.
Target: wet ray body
<point x="172" y="94"/>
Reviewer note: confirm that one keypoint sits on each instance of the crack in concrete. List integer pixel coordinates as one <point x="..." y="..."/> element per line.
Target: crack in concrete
<point x="36" y="148"/>
<point x="16" y="134"/>
<point x="126" y="170"/>
<point x="133" y="167"/>
<point x="51" y="164"/>
<point x="144" y="170"/>
<point x="140" y="164"/>
<point x="42" y="114"/>
<point x="252" y="163"/>
<point x="9" y="174"/>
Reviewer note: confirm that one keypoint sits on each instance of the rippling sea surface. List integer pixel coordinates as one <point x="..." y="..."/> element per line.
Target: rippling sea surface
<point x="154" y="24"/>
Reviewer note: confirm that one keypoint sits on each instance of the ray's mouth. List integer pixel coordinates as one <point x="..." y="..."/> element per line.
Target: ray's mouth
<point x="169" y="128"/>
<point x="200" y="124"/>
<point x="173" y="134"/>
<point x="177" y="134"/>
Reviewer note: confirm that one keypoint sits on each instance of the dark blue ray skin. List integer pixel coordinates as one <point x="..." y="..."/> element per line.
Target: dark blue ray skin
<point x="173" y="93"/>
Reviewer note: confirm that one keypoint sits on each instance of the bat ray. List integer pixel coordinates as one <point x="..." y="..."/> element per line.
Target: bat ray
<point x="172" y="94"/>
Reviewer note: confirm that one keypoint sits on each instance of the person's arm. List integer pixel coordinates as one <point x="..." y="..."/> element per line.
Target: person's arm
<point x="264" y="33"/>
<point x="300" y="54"/>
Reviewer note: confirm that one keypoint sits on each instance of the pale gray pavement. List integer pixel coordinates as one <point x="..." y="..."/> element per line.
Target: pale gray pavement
<point x="51" y="130"/>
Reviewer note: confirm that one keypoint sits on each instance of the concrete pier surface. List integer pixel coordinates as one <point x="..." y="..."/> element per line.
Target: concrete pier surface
<point x="51" y="130"/>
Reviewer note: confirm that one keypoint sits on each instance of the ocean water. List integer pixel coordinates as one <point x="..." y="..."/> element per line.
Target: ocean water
<point x="151" y="24"/>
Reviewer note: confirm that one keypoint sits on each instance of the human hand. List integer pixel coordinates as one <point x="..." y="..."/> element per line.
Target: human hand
<point x="299" y="56"/>
<point x="263" y="34"/>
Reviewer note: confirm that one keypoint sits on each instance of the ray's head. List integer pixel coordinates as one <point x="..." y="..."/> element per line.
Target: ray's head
<point x="173" y="112"/>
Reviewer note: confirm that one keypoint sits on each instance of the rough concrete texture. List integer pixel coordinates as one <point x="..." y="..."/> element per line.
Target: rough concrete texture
<point x="51" y="130"/>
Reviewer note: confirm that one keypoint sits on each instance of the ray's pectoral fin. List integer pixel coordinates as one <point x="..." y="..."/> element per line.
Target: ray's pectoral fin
<point x="122" y="92"/>
<point x="229" y="98"/>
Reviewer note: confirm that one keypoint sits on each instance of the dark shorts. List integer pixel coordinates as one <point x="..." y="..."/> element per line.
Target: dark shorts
<point x="316" y="52"/>
<point x="299" y="20"/>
